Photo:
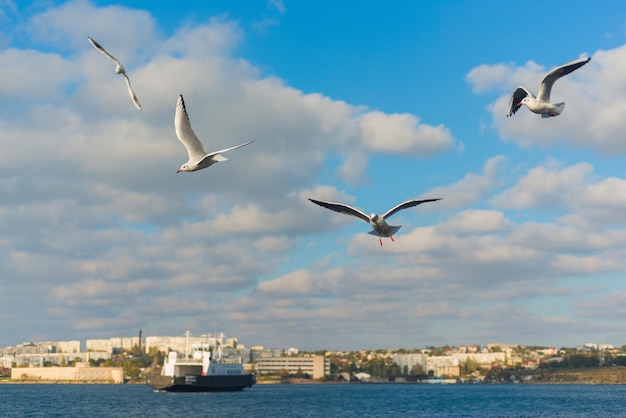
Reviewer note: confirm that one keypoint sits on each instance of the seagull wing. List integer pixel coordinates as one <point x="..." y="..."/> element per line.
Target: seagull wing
<point x="214" y="153"/>
<point x="185" y="134"/>
<point x="516" y="98"/>
<point x="341" y="208"/>
<point x="407" y="204"/>
<point x="549" y="79"/>
<point x="132" y="92"/>
<point x="104" y="51"/>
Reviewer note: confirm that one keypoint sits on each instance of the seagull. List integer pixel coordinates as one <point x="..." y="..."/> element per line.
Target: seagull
<point x="378" y="222"/>
<point x="119" y="69"/>
<point x="541" y="104"/>
<point x="198" y="157"/>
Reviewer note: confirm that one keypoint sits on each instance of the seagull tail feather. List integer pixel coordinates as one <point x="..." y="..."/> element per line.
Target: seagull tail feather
<point x="392" y="230"/>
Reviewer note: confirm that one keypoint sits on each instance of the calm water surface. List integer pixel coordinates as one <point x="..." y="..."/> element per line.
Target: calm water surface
<point x="348" y="400"/>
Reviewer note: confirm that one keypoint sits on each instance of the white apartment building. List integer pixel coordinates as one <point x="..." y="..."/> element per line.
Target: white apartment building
<point x="184" y="343"/>
<point x="409" y="360"/>
<point x="109" y="345"/>
<point x="72" y="346"/>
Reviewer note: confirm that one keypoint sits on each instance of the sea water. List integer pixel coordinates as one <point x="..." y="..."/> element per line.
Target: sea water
<point x="316" y="400"/>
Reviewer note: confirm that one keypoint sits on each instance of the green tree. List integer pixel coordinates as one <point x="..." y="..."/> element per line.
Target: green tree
<point x="417" y="370"/>
<point x="469" y="366"/>
<point x="395" y="370"/>
<point x="620" y="361"/>
<point x="574" y="361"/>
<point x="131" y="370"/>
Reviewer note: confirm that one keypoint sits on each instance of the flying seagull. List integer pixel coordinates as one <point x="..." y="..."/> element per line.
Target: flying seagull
<point x="541" y="104"/>
<point x="119" y="69"/>
<point x="376" y="221"/>
<point x="198" y="157"/>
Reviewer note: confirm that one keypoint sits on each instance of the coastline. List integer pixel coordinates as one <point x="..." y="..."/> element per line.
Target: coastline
<point x="615" y="375"/>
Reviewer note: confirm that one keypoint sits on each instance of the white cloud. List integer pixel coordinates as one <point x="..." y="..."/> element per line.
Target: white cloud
<point x="572" y="189"/>
<point x="549" y="186"/>
<point x="402" y="133"/>
<point x="279" y="5"/>
<point x="93" y="210"/>
<point x="297" y="282"/>
<point x="472" y="188"/>
<point x="353" y="168"/>
<point x="473" y="221"/>
<point x="485" y="77"/>
<point x="22" y="78"/>
<point x="594" y="94"/>
<point x="59" y="26"/>
<point x="99" y="227"/>
<point x="266" y="22"/>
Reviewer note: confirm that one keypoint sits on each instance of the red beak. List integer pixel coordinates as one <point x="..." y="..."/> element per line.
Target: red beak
<point x="178" y="171"/>
<point x="519" y="104"/>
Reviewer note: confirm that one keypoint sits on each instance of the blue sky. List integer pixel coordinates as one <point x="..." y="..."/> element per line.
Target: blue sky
<point x="369" y="104"/>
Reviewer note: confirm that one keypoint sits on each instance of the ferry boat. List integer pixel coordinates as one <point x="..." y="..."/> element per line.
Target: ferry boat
<point x="206" y="371"/>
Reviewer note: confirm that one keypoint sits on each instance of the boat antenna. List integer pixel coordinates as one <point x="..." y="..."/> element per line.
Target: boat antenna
<point x="187" y="334"/>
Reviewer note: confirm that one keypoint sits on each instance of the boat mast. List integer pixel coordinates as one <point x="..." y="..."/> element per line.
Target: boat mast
<point x="187" y="334"/>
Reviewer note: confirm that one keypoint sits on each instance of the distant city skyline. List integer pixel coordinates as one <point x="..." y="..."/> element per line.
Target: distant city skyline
<point x="128" y="342"/>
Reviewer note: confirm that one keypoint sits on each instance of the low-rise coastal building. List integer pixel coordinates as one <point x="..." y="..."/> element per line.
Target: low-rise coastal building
<point x="315" y="366"/>
<point x="82" y="373"/>
<point x="445" y="365"/>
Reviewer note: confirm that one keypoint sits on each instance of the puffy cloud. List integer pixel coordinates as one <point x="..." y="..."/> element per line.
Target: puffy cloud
<point x="594" y="94"/>
<point x="549" y="186"/>
<point x="59" y="26"/>
<point x="102" y="235"/>
<point x="474" y="221"/>
<point x="471" y="188"/>
<point x="92" y="209"/>
<point x="485" y="77"/>
<point x="402" y="133"/>
<point x="22" y="79"/>
<point x="573" y="189"/>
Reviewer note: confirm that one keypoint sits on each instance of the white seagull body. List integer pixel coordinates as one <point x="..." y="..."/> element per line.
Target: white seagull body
<point x="541" y="104"/>
<point x="198" y="157"/>
<point x="119" y="69"/>
<point x="378" y="223"/>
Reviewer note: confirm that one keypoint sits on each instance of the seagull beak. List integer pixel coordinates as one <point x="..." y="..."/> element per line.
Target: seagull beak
<point x="519" y="104"/>
<point x="178" y="171"/>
